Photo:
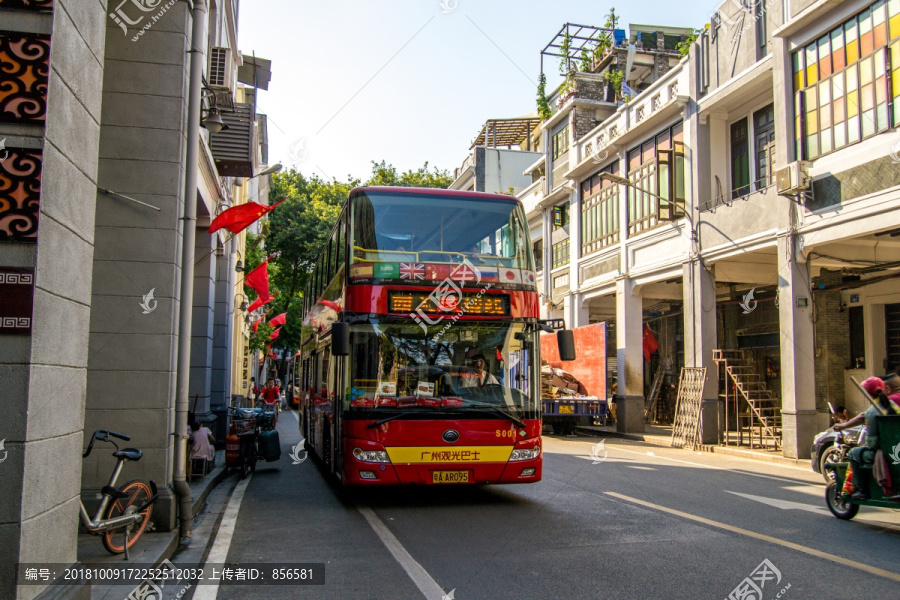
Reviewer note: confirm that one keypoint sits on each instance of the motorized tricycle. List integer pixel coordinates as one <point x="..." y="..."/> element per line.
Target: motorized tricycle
<point x="887" y="426"/>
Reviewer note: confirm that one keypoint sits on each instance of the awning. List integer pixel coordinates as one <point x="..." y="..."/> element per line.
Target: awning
<point x="506" y="132"/>
<point x="262" y="67"/>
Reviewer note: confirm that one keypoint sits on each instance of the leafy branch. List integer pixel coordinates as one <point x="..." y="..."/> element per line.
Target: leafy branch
<point x="543" y="105"/>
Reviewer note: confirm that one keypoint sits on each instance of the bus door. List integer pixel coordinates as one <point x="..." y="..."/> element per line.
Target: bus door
<point x="335" y="386"/>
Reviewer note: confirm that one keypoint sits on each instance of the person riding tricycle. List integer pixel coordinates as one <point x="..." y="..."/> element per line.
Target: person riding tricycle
<point x="871" y="476"/>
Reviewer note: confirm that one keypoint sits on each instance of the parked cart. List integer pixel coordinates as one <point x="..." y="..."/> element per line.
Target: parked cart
<point x="565" y="413"/>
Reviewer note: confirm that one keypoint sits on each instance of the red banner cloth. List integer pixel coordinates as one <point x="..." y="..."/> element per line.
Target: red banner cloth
<point x="238" y="218"/>
<point x="258" y="280"/>
<point x="259" y="302"/>
<point x="650" y="343"/>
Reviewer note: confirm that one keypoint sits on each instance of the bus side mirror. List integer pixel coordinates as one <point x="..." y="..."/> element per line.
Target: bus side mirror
<point x="565" y="339"/>
<point x="340" y="339"/>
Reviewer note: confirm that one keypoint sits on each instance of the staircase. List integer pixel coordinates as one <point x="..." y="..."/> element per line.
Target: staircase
<point x="759" y="410"/>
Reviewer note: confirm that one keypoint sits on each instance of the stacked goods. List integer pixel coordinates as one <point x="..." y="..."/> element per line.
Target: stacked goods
<point x="556" y="383"/>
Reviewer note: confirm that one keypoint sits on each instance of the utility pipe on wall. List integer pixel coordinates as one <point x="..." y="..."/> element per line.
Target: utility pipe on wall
<point x="189" y="235"/>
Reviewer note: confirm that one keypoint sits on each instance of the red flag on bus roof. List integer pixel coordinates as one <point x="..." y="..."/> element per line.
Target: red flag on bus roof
<point x="237" y="218"/>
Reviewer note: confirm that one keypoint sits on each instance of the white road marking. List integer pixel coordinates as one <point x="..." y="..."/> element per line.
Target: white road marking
<point x="218" y="555"/>
<point x="759" y="536"/>
<point x="783" y="504"/>
<point x="702" y="466"/>
<point x="428" y="586"/>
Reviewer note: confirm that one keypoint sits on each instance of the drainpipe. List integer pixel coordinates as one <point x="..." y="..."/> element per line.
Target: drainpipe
<point x="189" y="234"/>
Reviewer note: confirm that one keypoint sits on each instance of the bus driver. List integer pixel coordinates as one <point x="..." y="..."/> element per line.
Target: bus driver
<point x="481" y="376"/>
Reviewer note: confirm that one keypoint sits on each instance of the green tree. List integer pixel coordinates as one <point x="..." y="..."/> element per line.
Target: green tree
<point x="297" y="231"/>
<point x="385" y="174"/>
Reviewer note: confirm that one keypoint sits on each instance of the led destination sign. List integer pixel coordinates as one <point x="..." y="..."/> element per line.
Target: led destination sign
<point x="470" y="304"/>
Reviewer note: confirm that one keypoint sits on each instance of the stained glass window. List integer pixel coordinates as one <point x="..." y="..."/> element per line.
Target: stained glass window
<point x="846" y="80"/>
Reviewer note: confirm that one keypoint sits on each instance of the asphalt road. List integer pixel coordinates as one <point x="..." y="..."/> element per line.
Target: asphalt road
<point x="632" y="521"/>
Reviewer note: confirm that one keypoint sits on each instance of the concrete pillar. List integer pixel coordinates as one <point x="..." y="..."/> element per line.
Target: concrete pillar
<point x="205" y="260"/>
<point x="548" y="254"/>
<point x="223" y="336"/>
<point x="43" y="374"/>
<point x="630" y="357"/>
<point x="576" y="313"/>
<point x="798" y="383"/>
<point x="699" y="288"/>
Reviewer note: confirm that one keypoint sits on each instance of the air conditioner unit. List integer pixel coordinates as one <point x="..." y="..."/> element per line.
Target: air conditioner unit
<point x="220" y="74"/>
<point x="793" y="179"/>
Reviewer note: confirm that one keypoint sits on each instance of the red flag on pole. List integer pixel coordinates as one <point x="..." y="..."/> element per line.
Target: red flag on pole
<point x="275" y="334"/>
<point x="256" y="325"/>
<point x="279" y="320"/>
<point x="258" y="280"/>
<point x="238" y="218"/>
<point x="259" y="302"/>
<point x="650" y="343"/>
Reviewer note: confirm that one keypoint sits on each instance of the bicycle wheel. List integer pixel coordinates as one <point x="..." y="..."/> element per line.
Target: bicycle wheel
<point x="138" y="493"/>
<point x="254" y="455"/>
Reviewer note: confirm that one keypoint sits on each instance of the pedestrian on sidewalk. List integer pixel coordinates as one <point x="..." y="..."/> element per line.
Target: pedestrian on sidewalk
<point x="202" y="442"/>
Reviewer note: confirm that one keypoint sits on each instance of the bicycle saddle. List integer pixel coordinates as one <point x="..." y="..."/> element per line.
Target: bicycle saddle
<point x="129" y="454"/>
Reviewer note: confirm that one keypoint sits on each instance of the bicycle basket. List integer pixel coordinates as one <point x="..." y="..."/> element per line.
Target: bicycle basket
<point x="244" y="426"/>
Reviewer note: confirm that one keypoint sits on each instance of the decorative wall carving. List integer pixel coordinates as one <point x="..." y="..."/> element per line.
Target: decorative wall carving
<point x="23" y="78"/>
<point x="20" y="193"/>
<point x="16" y="300"/>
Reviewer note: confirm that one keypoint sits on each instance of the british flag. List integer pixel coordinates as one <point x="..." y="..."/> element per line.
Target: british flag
<point x="412" y="271"/>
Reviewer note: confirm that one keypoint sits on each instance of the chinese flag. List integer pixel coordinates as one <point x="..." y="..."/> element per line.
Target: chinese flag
<point x="279" y="320"/>
<point x="238" y="218"/>
<point x="650" y="343"/>
<point x="275" y="334"/>
<point x="256" y="325"/>
<point x="259" y="302"/>
<point x="258" y="280"/>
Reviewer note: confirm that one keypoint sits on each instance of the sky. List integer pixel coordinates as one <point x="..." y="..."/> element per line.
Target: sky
<point x="410" y="81"/>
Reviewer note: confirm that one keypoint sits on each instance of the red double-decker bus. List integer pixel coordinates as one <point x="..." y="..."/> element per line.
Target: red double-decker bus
<point x="421" y="358"/>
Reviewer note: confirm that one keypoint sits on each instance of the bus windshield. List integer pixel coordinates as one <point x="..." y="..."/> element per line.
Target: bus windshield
<point x="467" y="366"/>
<point x="423" y="228"/>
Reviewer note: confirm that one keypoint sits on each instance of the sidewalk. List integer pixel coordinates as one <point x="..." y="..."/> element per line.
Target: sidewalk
<point x="151" y="549"/>
<point x="661" y="435"/>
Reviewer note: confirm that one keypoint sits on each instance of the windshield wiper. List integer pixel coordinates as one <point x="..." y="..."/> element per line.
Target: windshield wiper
<point x="391" y="418"/>
<point x="496" y="409"/>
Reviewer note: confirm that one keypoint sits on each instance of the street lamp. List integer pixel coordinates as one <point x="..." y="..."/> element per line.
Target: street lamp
<point x="244" y="304"/>
<point x="273" y="169"/>
<point x="213" y="121"/>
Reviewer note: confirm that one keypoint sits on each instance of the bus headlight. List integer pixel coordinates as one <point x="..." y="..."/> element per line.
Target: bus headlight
<point x="372" y="456"/>
<point x="525" y="453"/>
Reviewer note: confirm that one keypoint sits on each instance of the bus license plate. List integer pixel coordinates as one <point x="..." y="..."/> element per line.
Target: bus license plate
<point x="566" y="409"/>
<point x="449" y="477"/>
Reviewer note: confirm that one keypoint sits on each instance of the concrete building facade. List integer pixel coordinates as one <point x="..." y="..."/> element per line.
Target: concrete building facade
<point x="688" y="210"/>
<point x="93" y="182"/>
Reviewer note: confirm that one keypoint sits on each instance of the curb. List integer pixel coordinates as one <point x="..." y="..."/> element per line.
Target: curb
<point x="724" y="450"/>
